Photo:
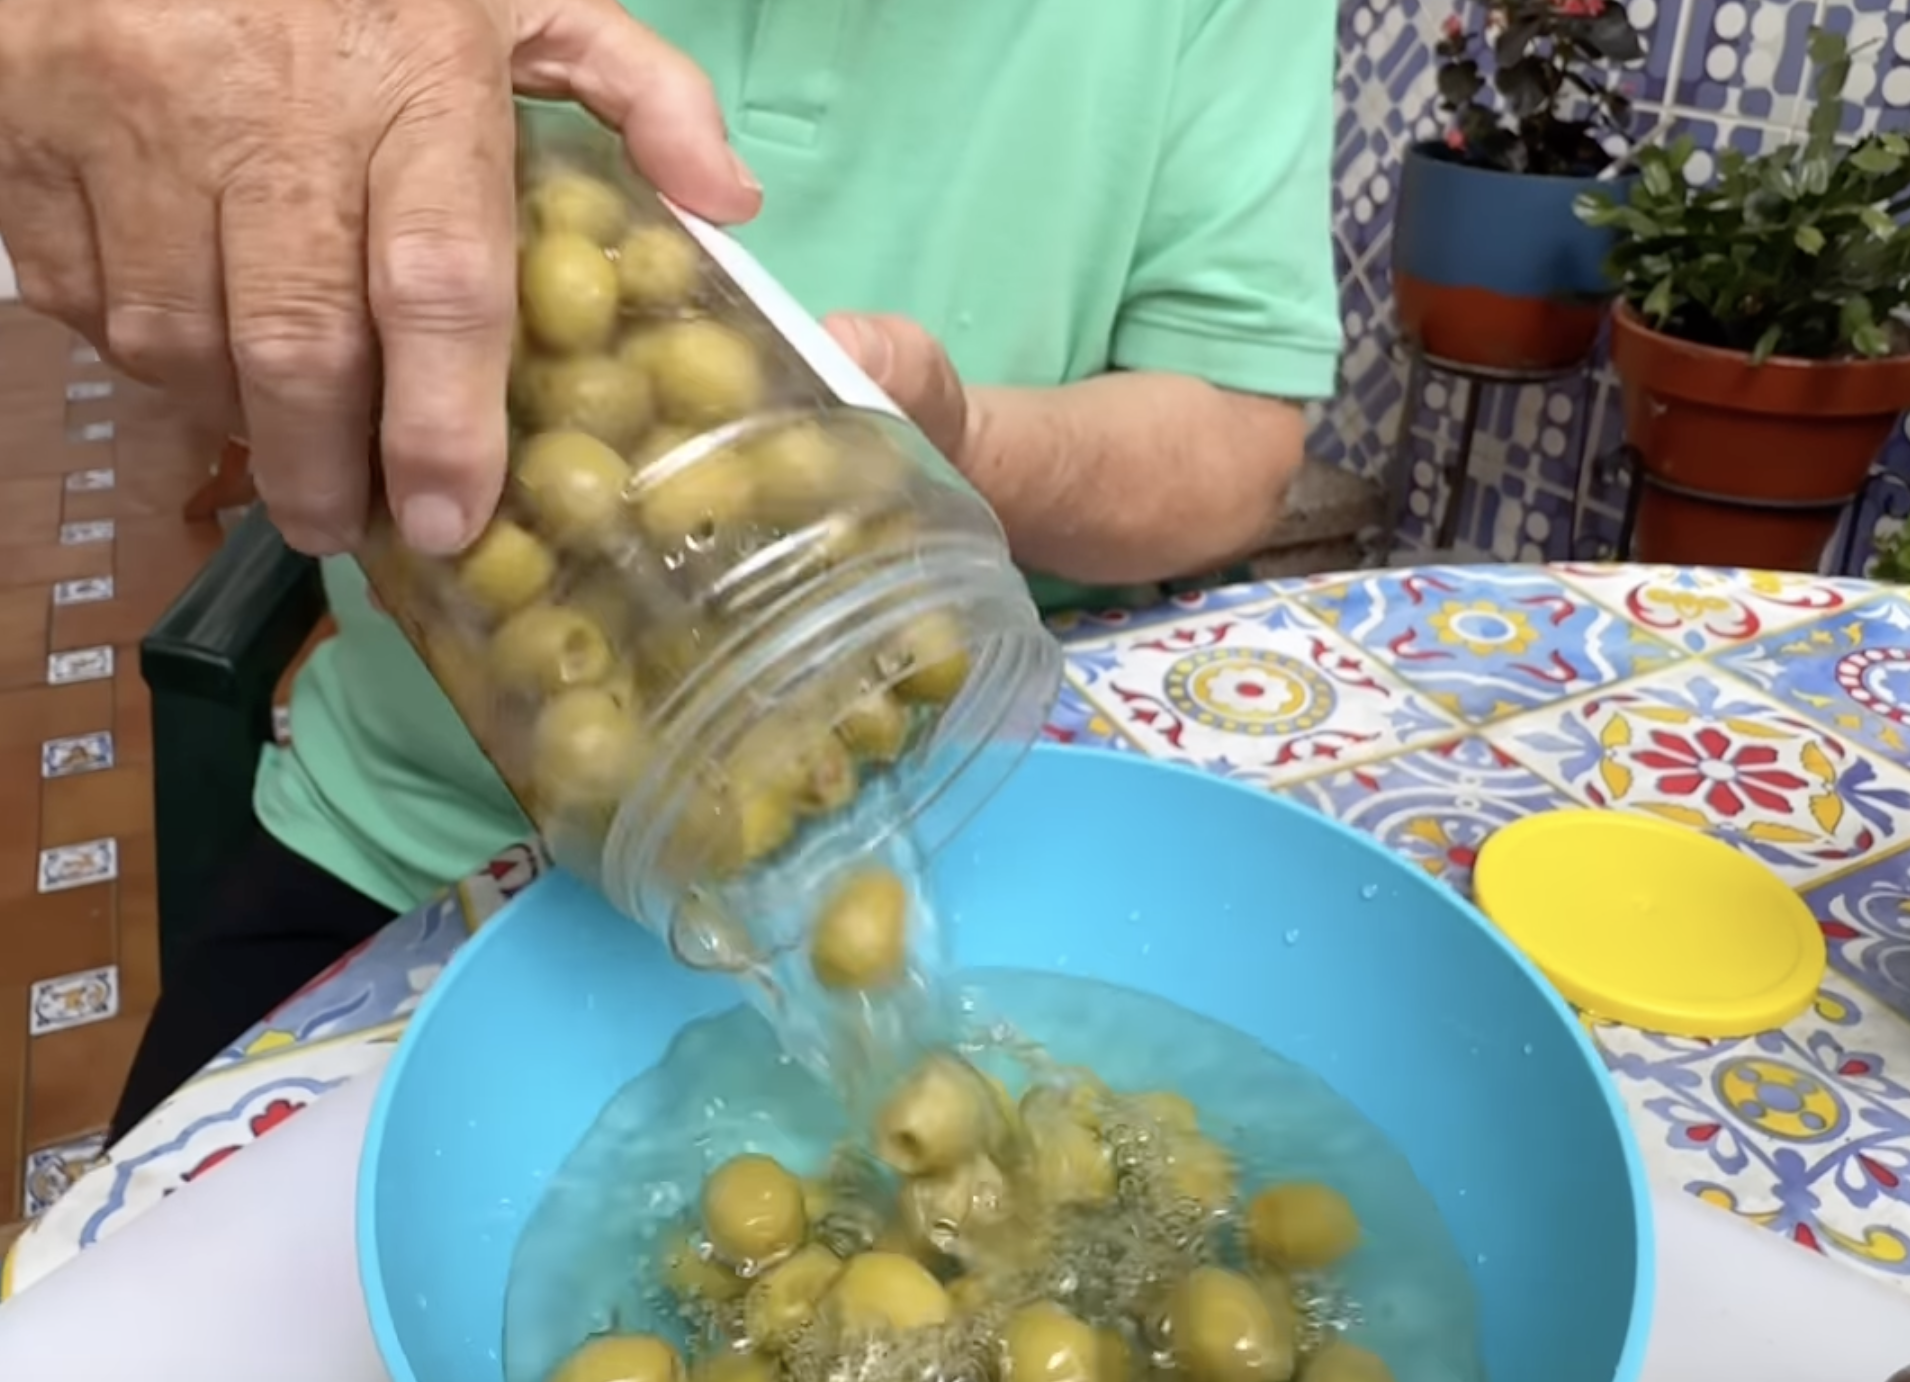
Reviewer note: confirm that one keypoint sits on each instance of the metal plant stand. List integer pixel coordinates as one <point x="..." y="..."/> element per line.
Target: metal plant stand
<point x="1476" y="379"/>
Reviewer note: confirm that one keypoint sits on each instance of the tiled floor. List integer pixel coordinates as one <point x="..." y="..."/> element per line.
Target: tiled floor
<point x="93" y="474"/>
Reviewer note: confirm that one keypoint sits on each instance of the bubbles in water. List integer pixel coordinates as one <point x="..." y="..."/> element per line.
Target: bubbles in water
<point x="1293" y="936"/>
<point x="1527" y="1048"/>
<point x="1369" y="891"/>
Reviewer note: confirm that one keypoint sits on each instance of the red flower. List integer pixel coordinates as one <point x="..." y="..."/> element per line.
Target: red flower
<point x="1706" y="765"/>
<point x="1456" y="141"/>
<point x="1454" y="29"/>
<point x="1579" y="9"/>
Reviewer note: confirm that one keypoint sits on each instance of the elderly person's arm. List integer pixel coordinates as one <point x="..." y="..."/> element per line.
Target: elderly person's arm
<point x="1176" y="460"/>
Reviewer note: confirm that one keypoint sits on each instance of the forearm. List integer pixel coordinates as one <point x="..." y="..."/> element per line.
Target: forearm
<point x="1132" y="477"/>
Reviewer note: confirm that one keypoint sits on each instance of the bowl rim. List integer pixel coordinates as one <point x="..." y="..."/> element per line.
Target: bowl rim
<point x="1644" y="1280"/>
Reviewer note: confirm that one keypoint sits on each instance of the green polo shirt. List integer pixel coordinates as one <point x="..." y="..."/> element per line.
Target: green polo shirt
<point x="1055" y="188"/>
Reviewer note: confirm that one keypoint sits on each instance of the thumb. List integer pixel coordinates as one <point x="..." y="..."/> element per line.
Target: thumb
<point x="660" y="101"/>
<point x="866" y="341"/>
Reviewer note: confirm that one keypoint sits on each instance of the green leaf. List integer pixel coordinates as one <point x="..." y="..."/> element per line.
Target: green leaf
<point x="1659" y="180"/>
<point x="1855" y="316"/>
<point x="1877" y="221"/>
<point x="1766" y="345"/>
<point x="1873" y="158"/>
<point x="1595" y="208"/>
<point x="1871" y="341"/>
<point x="1826" y="46"/>
<point x="1809" y="239"/>
<point x="1657" y="304"/>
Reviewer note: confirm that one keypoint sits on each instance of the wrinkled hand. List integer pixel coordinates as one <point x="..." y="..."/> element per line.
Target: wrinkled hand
<point x="295" y="212"/>
<point x="915" y="371"/>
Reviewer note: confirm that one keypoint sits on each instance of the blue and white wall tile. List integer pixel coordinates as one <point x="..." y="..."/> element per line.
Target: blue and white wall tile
<point x="1731" y="73"/>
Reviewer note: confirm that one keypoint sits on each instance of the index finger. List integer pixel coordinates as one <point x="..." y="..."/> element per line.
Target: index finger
<point x="441" y="247"/>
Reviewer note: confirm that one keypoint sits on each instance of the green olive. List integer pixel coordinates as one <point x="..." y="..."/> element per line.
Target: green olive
<point x="704" y="372"/>
<point x="505" y="569"/>
<point x="1070" y="1164"/>
<point x="593" y="394"/>
<point x="657" y="268"/>
<point x="875" y="727"/>
<point x="727" y="827"/>
<point x="709" y="494"/>
<point x="1170" y="1111"/>
<point x="1303" y="1225"/>
<point x="861" y="939"/>
<point x="825" y="776"/>
<point x="660" y="442"/>
<point x="752" y="1211"/>
<point x="1200" y="1171"/>
<point x="781" y="1304"/>
<point x="572" y="484"/>
<point x="692" y="1277"/>
<point x="735" y="1367"/>
<point x="586" y="749"/>
<point x="572" y="203"/>
<point x="1341" y="1361"/>
<point x="1044" y="1343"/>
<point x="940" y="1210"/>
<point x="1221" y="1329"/>
<point x="567" y="288"/>
<point x="802" y="471"/>
<point x="622" y="1358"/>
<point x="932" y="660"/>
<point x="1076" y="1100"/>
<point x="885" y="1292"/>
<point x="547" y="648"/>
<point x="940" y="1117"/>
<point x="1114" y="1355"/>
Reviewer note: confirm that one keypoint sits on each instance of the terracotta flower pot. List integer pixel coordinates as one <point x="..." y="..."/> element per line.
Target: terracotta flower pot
<point x="1495" y="269"/>
<point x="1748" y="465"/>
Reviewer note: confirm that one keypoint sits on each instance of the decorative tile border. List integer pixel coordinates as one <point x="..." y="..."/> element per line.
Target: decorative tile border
<point x="86" y="590"/>
<point x="91" y="433"/>
<point x="77" y="753"/>
<point x="89" y="390"/>
<point x="76" y="866"/>
<point x="79" y="534"/>
<point x="79" y="664"/>
<point x="51" y="1171"/>
<point x="91" y="481"/>
<point x="72" y="1000"/>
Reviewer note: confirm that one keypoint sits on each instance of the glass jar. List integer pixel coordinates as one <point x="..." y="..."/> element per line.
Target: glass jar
<point x="736" y="624"/>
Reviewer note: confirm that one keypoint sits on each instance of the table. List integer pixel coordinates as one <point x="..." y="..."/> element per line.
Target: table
<point x="1428" y="707"/>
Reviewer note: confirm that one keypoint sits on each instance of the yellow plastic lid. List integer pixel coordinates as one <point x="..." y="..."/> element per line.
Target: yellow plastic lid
<point x="1652" y="924"/>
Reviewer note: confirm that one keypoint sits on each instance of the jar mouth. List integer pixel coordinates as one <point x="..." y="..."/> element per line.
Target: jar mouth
<point x="940" y="780"/>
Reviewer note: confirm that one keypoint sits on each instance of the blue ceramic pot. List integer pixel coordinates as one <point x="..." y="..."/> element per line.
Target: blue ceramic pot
<point x="1496" y="269"/>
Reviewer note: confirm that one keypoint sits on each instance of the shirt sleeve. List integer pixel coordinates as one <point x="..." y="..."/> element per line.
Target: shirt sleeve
<point x="1233" y="278"/>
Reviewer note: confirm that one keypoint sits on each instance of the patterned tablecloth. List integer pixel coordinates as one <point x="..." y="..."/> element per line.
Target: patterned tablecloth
<point x="1427" y="707"/>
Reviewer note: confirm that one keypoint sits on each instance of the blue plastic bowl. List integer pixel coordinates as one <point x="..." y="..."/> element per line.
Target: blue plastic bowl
<point x="1401" y="995"/>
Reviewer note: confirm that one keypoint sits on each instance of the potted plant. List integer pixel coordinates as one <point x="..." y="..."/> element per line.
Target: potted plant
<point x="1761" y="337"/>
<point x="1490" y="266"/>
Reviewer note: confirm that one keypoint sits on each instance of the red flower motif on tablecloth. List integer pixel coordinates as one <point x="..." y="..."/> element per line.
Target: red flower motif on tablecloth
<point x="259" y="1124"/>
<point x="1725" y="777"/>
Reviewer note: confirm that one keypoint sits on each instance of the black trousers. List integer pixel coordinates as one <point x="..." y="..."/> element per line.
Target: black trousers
<point x="274" y="922"/>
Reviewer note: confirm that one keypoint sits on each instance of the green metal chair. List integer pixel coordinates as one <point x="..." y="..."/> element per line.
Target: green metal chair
<point x="212" y="663"/>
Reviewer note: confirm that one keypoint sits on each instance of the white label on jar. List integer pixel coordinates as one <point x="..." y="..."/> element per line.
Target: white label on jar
<point x="840" y="374"/>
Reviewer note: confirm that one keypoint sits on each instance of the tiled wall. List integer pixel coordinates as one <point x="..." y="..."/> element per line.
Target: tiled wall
<point x="1729" y="72"/>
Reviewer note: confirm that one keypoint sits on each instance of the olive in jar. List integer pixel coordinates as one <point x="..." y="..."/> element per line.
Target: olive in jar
<point x="782" y="1304"/>
<point x="505" y="569"/>
<point x="885" y="1292"/>
<point x="704" y="373"/>
<point x="931" y="659"/>
<point x="593" y="394"/>
<point x="622" y="1358"/>
<point x="547" y="648"/>
<point x="573" y="203"/>
<point x="1303" y="1225"/>
<point x="586" y="749"/>
<point x="1222" y="1329"/>
<point x="657" y="268"/>
<point x="875" y="727"/>
<point x="573" y="486"/>
<point x="567" y="292"/>
<point x="860" y="940"/>
<point x="753" y="1211"/>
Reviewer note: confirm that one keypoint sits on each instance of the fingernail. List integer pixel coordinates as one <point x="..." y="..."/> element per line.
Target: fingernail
<point x="743" y="174"/>
<point x="432" y="524"/>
